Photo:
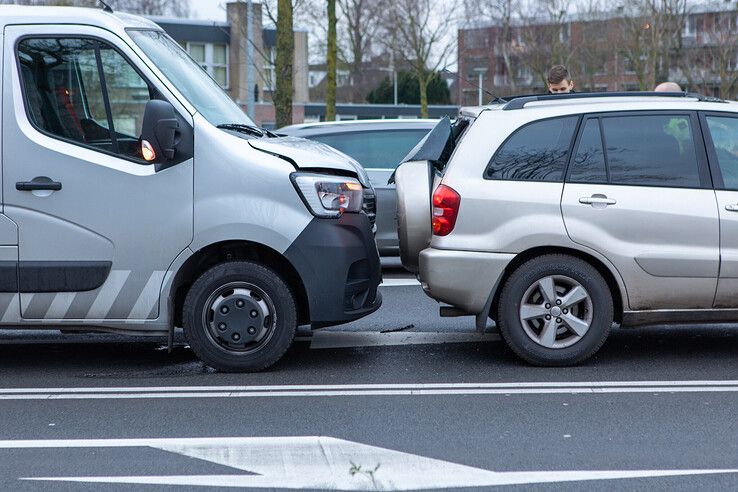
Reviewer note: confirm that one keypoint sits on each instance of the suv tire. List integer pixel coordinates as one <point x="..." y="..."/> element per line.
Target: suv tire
<point x="239" y="316"/>
<point x="566" y="315"/>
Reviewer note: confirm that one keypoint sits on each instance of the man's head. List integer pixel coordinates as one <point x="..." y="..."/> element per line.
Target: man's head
<point x="559" y="80"/>
<point x="667" y="87"/>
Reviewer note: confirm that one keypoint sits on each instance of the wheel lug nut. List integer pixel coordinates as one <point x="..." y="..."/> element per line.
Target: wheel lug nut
<point x="253" y="313"/>
<point x="224" y="310"/>
<point x="240" y="303"/>
<point x="236" y="337"/>
<point x="565" y="311"/>
<point x="548" y="306"/>
<point x="251" y="330"/>
<point x="558" y="302"/>
<point x="548" y="316"/>
<point x="222" y="326"/>
<point x="558" y="320"/>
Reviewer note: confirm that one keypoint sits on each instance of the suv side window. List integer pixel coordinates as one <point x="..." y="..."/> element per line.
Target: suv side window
<point x="84" y="91"/>
<point x="535" y="152"/>
<point x="588" y="165"/>
<point x="724" y="133"/>
<point x="647" y="150"/>
<point x="651" y="150"/>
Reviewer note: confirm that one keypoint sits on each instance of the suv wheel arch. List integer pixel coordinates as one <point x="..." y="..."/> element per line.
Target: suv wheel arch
<point x="619" y="295"/>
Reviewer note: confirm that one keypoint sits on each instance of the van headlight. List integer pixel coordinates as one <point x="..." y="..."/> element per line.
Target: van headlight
<point x="329" y="196"/>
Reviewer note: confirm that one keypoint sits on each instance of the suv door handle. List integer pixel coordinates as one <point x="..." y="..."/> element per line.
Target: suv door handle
<point x="38" y="185"/>
<point x="733" y="207"/>
<point x="597" y="199"/>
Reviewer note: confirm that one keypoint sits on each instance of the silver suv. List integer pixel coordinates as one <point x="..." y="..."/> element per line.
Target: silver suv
<point x="557" y="216"/>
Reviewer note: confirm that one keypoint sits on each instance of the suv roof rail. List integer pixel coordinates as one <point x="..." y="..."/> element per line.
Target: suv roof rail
<point x="520" y="101"/>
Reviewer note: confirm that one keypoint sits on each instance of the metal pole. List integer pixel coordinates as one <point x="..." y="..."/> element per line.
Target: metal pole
<point x="250" y="109"/>
<point x="394" y="75"/>
<point x="479" y="91"/>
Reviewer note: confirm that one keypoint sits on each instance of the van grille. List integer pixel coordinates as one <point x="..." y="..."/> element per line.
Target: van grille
<point x="370" y="205"/>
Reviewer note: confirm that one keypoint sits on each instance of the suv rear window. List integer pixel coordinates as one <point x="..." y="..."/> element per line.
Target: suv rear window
<point x="536" y="152"/>
<point x="646" y="150"/>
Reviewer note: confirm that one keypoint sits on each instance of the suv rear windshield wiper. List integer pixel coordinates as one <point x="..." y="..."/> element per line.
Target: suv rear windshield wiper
<point x="250" y="129"/>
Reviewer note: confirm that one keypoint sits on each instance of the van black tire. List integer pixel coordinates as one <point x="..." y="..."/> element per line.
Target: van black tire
<point x="563" y="268"/>
<point x="249" y="291"/>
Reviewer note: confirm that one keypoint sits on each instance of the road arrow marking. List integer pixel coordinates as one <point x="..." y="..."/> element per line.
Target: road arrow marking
<point x="323" y="463"/>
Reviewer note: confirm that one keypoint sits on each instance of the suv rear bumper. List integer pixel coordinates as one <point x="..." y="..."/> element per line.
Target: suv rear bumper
<point x="463" y="279"/>
<point x="338" y="263"/>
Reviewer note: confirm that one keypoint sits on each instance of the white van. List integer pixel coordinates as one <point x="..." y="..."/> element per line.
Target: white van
<point x="137" y="196"/>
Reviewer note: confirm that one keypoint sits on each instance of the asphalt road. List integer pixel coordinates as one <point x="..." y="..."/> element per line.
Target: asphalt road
<point x="434" y="404"/>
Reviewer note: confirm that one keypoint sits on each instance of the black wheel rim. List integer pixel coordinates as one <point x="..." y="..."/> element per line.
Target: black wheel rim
<point x="239" y="317"/>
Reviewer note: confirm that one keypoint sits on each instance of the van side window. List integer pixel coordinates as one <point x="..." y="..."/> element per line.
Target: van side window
<point x="84" y="91"/>
<point x="536" y="152"/>
<point x="651" y="150"/>
<point x="724" y="133"/>
<point x="588" y="165"/>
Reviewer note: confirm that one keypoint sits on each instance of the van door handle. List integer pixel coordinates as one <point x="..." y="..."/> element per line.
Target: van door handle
<point x="38" y="185"/>
<point x="733" y="207"/>
<point x="597" y="200"/>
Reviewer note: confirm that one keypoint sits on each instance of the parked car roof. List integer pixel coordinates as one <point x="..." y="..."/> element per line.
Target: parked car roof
<point x="116" y="21"/>
<point x="356" y="125"/>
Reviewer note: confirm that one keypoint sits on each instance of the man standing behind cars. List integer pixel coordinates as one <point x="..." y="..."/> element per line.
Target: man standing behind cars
<point x="559" y="80"/>
<point x="667" y="87"/>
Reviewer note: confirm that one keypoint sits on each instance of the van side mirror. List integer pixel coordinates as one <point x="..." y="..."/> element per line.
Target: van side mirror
<point x="159" y="132"/>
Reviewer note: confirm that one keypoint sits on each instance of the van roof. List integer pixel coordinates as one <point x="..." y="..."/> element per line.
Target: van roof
<point x="116" y="21"/>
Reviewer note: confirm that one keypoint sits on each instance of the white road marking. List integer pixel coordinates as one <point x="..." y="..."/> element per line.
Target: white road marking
<point x="410" y="389"/>
<point x="348" y="339"/>
<point x="398" y="282"/>
<point x="317" y="462"/>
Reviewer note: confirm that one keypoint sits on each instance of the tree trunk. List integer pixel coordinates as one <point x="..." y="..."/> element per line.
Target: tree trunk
<point x="283" y="63"/>
<point x="423" y="80"/>
<point x="330" y="90"/>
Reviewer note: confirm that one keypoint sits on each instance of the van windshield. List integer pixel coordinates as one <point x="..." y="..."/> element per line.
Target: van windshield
<point x="204" y="93"/>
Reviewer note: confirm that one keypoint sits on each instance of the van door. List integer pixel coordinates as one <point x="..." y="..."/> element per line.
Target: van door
<point x="721" y="136"/>
<point x="98" y="227"/>
<point x="638" y="192"/>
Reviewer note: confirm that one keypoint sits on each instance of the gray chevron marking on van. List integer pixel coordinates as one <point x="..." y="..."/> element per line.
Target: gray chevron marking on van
<point x="107" y="294"/>
<point x="148" y="297"/>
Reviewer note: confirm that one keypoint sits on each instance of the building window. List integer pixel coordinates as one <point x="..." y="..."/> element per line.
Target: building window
<point x="213" y="58"/>
<point x="270" y="72"/>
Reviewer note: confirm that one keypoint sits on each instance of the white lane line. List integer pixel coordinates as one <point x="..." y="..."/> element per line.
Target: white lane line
<point x="350" y="339"/>
<point x="321" y="462"/>
<point x="525" y="388"/>
<point x="398" y="282"/>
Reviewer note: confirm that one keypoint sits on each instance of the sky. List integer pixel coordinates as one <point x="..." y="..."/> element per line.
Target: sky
<point x="208" y="9"/>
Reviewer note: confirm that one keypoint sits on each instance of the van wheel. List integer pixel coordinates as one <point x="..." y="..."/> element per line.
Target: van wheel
<point x="239" y="316"/>
<point x="555" y="310"/>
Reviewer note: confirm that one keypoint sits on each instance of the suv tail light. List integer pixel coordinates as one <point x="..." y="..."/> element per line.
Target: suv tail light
<point x="445" y="209"/>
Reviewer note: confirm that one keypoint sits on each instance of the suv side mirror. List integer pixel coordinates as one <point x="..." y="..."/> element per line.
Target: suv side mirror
<point x="159" y="132"/>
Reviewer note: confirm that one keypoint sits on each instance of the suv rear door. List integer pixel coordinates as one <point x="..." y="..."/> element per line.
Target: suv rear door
<point x="721" y="138"/>
<point x="638" y="191"/>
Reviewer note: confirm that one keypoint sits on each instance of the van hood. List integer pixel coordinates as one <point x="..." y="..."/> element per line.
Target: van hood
<point x="309" y="154"/>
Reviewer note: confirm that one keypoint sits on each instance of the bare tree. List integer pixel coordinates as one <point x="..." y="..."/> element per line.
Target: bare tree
<point x="501" y="13"/>
<point x="178" y="8"/>
<point x="421" y="30"/>
<point x="361" y="21"/>
<point x="283" y="64"/>
<point x="546" y="36"/>
<point x="331" y="59"/>
<point x="652" y="38"/>
<point x="592" y="41"/>
<point x="711" y="65"/>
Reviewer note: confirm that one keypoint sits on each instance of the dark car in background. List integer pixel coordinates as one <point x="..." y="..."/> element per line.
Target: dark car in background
<point x="379" y="146"/>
